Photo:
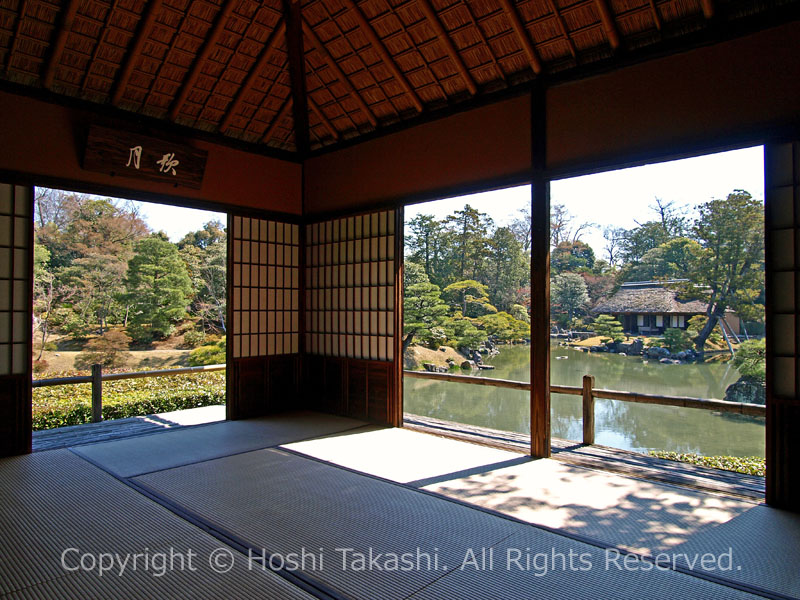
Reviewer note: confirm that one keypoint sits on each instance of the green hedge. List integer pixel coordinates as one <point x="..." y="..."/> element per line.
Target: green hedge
<point x="749" y="465"/>
<point x="72" y="404"/>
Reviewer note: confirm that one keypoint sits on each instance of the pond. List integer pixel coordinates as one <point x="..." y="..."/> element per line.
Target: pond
<point x="638" y="427"/>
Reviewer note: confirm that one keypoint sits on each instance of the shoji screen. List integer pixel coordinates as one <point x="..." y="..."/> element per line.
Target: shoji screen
<point x="782" y="163"/>
<point x="264" y="315"/>
<point x="16" y="305"/>
<point x="350" y="287"/>
<point x="351" y="319"/>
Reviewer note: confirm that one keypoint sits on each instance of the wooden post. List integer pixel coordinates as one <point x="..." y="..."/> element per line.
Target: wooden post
<point x="588" y="409"/>
<point x="540" y="281"/>
<point x="97" y="393"/>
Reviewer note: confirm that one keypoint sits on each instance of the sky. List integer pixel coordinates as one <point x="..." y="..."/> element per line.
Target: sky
<point x="176" y="221"/>
<point x="623" y="197"/>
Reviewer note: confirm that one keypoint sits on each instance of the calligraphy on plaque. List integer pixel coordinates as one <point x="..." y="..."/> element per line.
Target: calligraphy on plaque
<point x="124" y="154"/>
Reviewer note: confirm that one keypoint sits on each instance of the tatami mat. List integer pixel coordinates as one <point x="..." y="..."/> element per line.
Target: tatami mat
<point x="54" y="501"/>
<point x="643" y="516"/>
<point x="135" y="456"/>
<point x="286" y="503"/>
<point x="536" y="564"/>
<point x="406" y="456"/>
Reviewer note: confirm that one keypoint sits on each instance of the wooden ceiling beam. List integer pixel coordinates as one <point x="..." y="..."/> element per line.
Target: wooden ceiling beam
<point x="297" y="73"/>
<point x="387" y="59"/>
<point x="323" y="119"/>
<point x="252" y="76"/>
<point x="708" y="8"/>
<point x="444" y="38"/>
<point x="522" y="35"/>
<point x="656" y="16"/>
<point x="276" y="121"/>
<point x="331" y="62"/>
<point x="563" y="27"/>
<point x="609" y="25"/>
<point x="63" y="30"/>
<point x="139" y="39"/>
<point x="208" y="47"/>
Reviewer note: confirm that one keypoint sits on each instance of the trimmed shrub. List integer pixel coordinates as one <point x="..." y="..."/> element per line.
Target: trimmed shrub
<point x="208" y="355"/>
<point x="749" y="465"/>
<point x="194" y="338"/>
<point x="676" y="339"/>
<point x="62" y="405"/>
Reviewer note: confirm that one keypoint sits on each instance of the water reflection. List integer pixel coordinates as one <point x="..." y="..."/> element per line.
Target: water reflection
<point x="618" y="424"/>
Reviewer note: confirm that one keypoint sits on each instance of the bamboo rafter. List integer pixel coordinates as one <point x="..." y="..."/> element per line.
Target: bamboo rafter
<point x="522" y="35"/>
<point x="247" y="86"/>
<point x="387" y="59"/>
<point x="441" y="34"/>
<point x="197" y="66"/>
<point x="139" y="40"/>
<point x="320" y="47"/>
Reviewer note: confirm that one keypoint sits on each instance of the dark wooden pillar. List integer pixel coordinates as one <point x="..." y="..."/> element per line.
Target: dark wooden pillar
<point x="540" y="280"/>
<point x="16" y="317"/>
<point x="782" y="190"/>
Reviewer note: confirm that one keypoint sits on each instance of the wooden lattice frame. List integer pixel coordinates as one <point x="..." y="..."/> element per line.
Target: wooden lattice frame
<point x="783" y="219"/>
<point x="265" y="287"/>
<point x="350" y="287"/>
<point x="15" y="279"/>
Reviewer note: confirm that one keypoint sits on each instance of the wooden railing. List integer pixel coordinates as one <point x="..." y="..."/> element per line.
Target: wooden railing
<point x="588" y="392"/>
<point x="97" y="378"/>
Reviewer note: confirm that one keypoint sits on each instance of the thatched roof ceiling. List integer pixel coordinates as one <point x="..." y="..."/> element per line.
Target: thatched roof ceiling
<point x="307" y="74"/>
<point x="648" y="300"/>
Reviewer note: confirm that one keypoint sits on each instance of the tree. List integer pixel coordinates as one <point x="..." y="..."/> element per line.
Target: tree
<point x="522" y="227"/>
<point x="213" y="232"/>
<point x="670" y="224"/>
<point x="205" y="253"/>
<point x="571" y="257"/>
<point x="568" y="292"/>
<point x="561" y="229"/>
<point x="108" y="350"/>
<point x="520" y="313"/>
<point x="89" y="241"/>
<point x="468" y="229"/>
<point x="677" y="339"/>
<point x="423" y="311"/>
<point x="729" y="267"/>
<point x="670" y="260"/>
<point x="614" y="237"/>
<point x="505" y="327"/>
<point x="413" y="273"/>
<point x="464" y="332"/>
<point x="608" y="326"/>
<point x="158" y="288"/>
<point x="751" y="359"/>
<point x="507" y="268"/>
<point x="44" y="294"/>
<point x="471" y="296"/>
<point x="425" y="245"/>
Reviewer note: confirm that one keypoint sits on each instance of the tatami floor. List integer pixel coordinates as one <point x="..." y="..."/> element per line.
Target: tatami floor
<point x="309" y="505"/>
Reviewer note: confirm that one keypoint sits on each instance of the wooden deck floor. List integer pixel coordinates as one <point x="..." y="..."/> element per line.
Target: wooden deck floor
<point x="90" y="433"/>
<point x="601" y="457"/>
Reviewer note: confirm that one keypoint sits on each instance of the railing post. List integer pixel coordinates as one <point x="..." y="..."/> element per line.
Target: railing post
<point x="588" y="409"/>
<point x="97" y="393"/>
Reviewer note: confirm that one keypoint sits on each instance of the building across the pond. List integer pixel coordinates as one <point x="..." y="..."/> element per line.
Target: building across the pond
<point x="650" y="307"/>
